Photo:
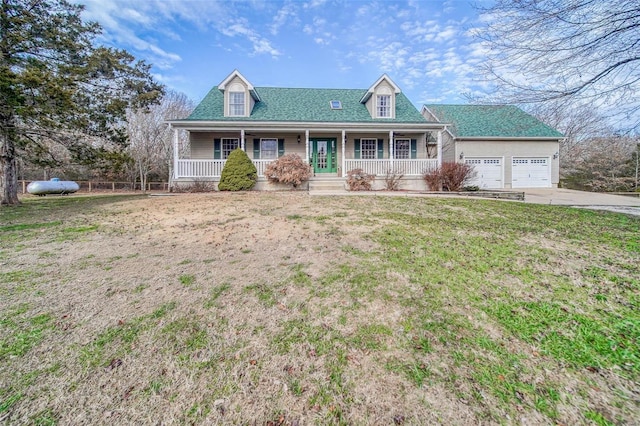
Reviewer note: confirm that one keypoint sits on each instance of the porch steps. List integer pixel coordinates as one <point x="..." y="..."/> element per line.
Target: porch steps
<point x="326" y="185"/>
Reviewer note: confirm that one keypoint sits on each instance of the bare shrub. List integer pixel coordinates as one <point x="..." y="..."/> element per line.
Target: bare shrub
<point x="289" y="169"/>
<point x="392" y="180"/>
<point x="359" y="180"/>
<point x="450" y="176"/>
<point x="433" y="179"/>
<point x="196" y="187"/>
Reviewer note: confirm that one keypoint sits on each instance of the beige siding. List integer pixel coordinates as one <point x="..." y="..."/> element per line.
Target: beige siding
<point x="201" y="145"/>
<point x="448" y="148"/>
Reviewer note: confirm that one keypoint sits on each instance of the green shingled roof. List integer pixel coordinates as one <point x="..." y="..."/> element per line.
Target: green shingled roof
<point x="491" y="121"/>
<point x="305" y="105"/>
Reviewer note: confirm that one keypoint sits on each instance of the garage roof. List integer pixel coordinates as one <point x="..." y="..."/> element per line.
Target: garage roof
<point x="503" y="121"/>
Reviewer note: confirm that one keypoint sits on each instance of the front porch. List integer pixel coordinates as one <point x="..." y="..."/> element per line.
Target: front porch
<point x="212" y="169"/>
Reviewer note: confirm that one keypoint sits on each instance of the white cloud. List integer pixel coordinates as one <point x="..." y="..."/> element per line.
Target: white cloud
<point x="286" y="15"/>
<point x="315" y="4"/>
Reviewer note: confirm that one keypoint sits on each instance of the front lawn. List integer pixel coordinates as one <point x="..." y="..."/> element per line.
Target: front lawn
<point x="281" y="308"/>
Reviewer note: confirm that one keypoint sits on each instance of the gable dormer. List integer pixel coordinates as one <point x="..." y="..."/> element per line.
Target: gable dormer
<point x="239" y="95"/>
<point x="380" y="98"/>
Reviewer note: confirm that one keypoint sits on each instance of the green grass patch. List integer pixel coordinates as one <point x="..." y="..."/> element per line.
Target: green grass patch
<point x="215" y="293"/>
<point x="116" y="341"/>
<point x="187" y="280"/>
<point x="29" y="226"/>
<point x="22" y="333"/>
<point x="574" y="338"/>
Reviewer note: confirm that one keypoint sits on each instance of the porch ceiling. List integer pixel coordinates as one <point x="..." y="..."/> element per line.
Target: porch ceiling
<point x="302" y="126"/>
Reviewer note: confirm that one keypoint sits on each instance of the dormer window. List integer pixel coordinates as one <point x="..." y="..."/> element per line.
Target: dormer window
<point x="383" y="106"/>
<point x="236" y="104"/>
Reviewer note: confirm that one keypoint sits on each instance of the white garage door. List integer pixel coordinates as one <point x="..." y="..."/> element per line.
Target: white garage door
<point x="534" y="172"/>
<point x="488" y="172"/>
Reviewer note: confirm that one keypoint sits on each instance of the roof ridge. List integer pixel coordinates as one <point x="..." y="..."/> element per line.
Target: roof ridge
<point x="306" y="88"/>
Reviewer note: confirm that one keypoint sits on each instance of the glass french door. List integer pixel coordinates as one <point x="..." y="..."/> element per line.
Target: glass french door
<point x="323" y="156"/>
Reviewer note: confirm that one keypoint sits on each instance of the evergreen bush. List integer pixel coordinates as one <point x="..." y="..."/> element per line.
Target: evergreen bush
<point x="238" y="173"/>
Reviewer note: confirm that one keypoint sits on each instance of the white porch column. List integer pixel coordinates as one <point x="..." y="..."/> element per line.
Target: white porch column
<point x="440" y="148"/>
<point x="344" y="142"/>
<point x="242" y="140"/>
<point x="176" y="153"/>
<point x="306" y="146"/>
<point x="391" y="149"/>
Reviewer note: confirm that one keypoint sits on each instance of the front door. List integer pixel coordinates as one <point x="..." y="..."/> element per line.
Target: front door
<point x="323" y="156"/>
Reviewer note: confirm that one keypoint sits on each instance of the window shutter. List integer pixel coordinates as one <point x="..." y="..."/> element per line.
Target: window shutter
<point x="280" y="147"/>
<point x="216" y="149"/>
<point x="356" y="151"/>
<point x="380" y="148"/>
<point x="256" y="149"/>
<point x="414" y="148"/>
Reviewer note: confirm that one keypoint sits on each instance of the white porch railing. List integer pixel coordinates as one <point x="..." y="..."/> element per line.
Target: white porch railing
<point x="199" y="168"/>
<point x="380" y="167"/>
<point x="261" y="165"/>
<point x="213" y="168"/>
<point x="210" y="168"/>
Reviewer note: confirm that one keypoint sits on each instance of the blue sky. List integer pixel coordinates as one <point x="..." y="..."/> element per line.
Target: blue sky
<point x="424" y="46"/>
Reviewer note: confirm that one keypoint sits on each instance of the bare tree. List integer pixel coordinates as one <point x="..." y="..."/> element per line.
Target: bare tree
<point x="150" y="139"/>
<point x="584" y="52"/>
<point x="604" y="164"/>
<point x="580" y="125"/>
<point x="175" y="105"/>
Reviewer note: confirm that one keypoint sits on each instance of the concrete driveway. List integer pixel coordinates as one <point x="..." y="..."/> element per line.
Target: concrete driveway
<point x="591" y="200"/>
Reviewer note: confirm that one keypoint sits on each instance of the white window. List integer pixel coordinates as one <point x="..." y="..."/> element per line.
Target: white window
<point x="402" y="148"/>
<point x="335" y="104"/>
<point x="383" y="106"/>
<point x="228" y="145"/>
<point x="268" y="149"/>
<point x="236" y="104"/>
<point x="368" y="149"/>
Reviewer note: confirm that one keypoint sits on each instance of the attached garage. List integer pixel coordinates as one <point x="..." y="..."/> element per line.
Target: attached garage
<point x="489" y="172"/>
<point x="507" y="147"/>
<point x="534" y="172"/>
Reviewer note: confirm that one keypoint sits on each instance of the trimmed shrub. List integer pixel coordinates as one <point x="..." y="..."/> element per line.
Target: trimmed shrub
<point x="289" y="169"/>
<point x="450" y="176"/>
<point x="358" y="180"/>
<point x="238" y="173"/>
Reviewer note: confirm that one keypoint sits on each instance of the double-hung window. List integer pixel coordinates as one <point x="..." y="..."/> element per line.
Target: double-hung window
<point x="368" y="149"/>
<point x="383" y="106"/>
<point x="402" y="149"/>
<point x="236" y="104"/>
<point x="268" y="149"/>
<point x="228" y="145"/>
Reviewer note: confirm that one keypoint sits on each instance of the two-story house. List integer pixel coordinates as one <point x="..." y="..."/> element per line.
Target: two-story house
<point x="336" y="130"/>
